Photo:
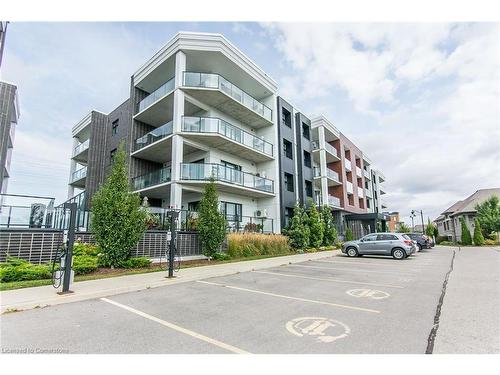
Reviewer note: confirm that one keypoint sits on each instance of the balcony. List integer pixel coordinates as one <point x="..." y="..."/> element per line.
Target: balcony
<point x="359" y="172"/>
<point x="361" y="192"/>
<point x="348" y="165"/>
<point x="215" y="90"/>
<point x="227" y="137"/>
<point x="78" y="177"/>
<point x="367" y="174"/>
<point x="334" y="201"/>
<point x="349" y="188"/>
<point x="151" y="147"/>
<point x="228" y="179"/>
<point x="331" y="152"/>
<point x="153" y="184"/>
<point x="157" y="107"/>
<point x="81" y="152"/>
<point x="368" y="193"/>
<point x="331" y="175"/>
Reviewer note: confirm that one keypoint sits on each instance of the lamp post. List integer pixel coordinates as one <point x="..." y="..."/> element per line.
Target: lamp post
<point x="414" y="213"/>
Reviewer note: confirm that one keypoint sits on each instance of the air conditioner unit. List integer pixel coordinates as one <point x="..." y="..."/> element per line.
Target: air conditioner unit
<point x="261" y="213"/>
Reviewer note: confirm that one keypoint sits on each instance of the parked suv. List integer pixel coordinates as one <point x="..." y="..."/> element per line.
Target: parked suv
<point x="399" y="245"/>
<point x="421" y="239"/>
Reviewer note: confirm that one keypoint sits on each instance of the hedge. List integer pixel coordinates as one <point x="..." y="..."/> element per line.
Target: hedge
<point x="241" y="245"/>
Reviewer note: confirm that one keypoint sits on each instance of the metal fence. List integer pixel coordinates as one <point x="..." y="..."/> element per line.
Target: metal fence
<point x="34" y="245"/>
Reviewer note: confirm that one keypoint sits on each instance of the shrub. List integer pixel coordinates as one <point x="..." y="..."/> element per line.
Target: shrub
<point x="80" y="248"/>
<point x="349" y="236"/>
<point x="330" y="232"/>
<point x="252" y="244"/>
<point x="466" y="236"/>
<point x="211" y="223"/>
<point x="221" y="256"/>
<point x="118" y="220"/>
<point x="83" y="264"/>
<point x="138" y="262"/>
<point x="316" y="226"/>
<point x="338" y="245"/>
<point x="489" y="242"/>
<point x="488" y="214"/>
<point x="299" y="231"/>
<point x="440" y="239"/>
<point x="19" y="270"/>
<point x="478" y="236"/>
<point x="446" y="243"/>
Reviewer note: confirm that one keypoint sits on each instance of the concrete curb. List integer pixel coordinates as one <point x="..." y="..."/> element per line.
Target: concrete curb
<point x="42" y="296"/>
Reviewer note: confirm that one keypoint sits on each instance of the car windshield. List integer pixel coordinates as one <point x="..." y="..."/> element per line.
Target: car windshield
<point x="406" y="237"/>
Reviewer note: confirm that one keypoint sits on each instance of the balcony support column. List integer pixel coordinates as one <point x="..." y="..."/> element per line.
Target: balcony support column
<point x="72" y="169"/>
<point x="323" y="169"/>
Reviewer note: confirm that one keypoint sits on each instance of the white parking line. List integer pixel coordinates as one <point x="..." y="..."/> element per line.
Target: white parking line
<point x="349" y="270"/>
<point x="290" y="297"/>
<point x="328" y="279"/>
<point x="177" y="328"/>
<point x="367" y="263"/>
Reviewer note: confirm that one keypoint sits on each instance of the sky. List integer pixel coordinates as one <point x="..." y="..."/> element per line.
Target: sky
<point x="421" y="100"/>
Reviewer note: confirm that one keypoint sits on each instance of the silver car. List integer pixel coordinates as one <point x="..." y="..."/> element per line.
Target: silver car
<point x="398" y="245"/>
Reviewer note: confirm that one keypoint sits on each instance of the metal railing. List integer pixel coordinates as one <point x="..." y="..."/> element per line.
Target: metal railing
<point x="79" y="174"/>
<point x="153" y="136"/>
<point x="81" y="147"/>
<point x="157" y="94"/>
<point x="197" y="171"/>
<point x="160" y="176"/>
<point x="216" y="125"/>
<point x="216" y="81"/>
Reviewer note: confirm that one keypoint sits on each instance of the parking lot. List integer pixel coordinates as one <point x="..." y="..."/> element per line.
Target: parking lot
<point x="331" y="305"/>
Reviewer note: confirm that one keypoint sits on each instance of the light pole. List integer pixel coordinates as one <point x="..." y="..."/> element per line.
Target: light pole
<point x="414" y="213"/>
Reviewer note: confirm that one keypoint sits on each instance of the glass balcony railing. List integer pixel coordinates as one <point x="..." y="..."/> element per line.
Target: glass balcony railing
<point x="197" y="171"/>
<point x="216" y="81"/>
<point x="348" y="165"/>
<point x="349" y="188"/>
<point x="367" y="174"/>
<point x="361" y="192"/>
<point x="157" y="94"/>
<point x="329" y="173"/>
<point x="215" y="125"/>
<point x="332" y="150"/>
<point x="153" y="136"/>
<point x="81" y="147"/>
<point x="79" y="174"/>
<point x="333" y="201"/>
<point x="157" y="177"/>
<point x="359" y="173"/>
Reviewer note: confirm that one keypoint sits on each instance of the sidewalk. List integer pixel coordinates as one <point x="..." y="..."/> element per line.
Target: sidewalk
<point x="470" y="315"/>
<point x="28" y="298"/>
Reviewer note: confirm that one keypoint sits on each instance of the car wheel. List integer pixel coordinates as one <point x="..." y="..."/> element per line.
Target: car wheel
<point x="398" y="254"/>
<point x="352" y="252"/>
<point x="419" y="247"/>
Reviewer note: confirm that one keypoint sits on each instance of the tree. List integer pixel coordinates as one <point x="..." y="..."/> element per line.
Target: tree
<point x="298" y="232"/>
<point x="403" y="228"/>
<point x="466" y="236"/>
<point x="118" y="221"/>
<point x="349" y="236"/>
<point x="478" y="236"/>
<point x="429" y="229"/>
<point x="488" y="214"/>
<point x="330" y="232"/>
<point x="316" y="226"/>
<point x="211" y="223"/>
<point x="436" y="232"/>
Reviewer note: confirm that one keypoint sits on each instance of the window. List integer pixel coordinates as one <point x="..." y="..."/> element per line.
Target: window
<point x="370" y="237"/>
<point x="287" y="149"/>
<point x="288" y="182"/>
<point x="309" y="189"/>
<point x="227" y="164"/>
<point x="114" y="127"/>
<point x="366" y="185"/>
<point x="307" y="159"/>
<point x="231" y="172"/>
<point x="367" y="203"/>
<point x="288" y="215"/>
<point x="112" y="155"/>
<point x="194" y="206"/>
<point x="386" y="237"/>
<point x="306" y="133"/>
<point x="286" y="117"/>
<point x="231" y="211"/>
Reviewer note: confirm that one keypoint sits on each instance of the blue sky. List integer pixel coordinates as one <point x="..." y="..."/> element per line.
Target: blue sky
<point x="422" y="100"/>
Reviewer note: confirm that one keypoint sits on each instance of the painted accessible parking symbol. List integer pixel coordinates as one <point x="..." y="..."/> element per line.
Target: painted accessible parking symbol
<point x="323" y="330"/>
<point x="368" y="293"/>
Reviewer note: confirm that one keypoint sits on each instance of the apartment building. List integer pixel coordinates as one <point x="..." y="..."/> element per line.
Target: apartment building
<point x="201" y="109"/>
<point x="448" y="222"/>
<point x="9" y="115"/>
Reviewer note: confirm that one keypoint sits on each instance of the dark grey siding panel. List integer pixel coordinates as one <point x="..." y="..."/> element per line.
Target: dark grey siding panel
<point x="303" y="144"/>
<point x="97" y="150"/>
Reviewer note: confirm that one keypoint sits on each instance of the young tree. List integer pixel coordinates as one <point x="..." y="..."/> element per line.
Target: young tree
<point x="118" y="222"/>
<point x="298" y="232"/>
<point x="316" y="226"/>
<point x="330" y="232"/>
<point x="349" y="236"/>
<point x="488" y="214"/>
<point x="211" y="223"/>
<point x="466" y="236"/>
<point x="429" y="228"/>
<point x="478" y="236"/>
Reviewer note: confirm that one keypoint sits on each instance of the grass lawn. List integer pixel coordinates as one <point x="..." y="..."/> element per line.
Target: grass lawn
<point x="104" y="273"/>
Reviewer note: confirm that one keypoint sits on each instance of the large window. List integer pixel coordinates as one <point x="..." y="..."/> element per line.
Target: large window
<point x="306" y="131"/>
<point x="287" y="149"/>
<point x="194" y="206"/>
<point x="289" y="182"/>
<point x="288" y="215"/>
<point x="232" y="211"/>
<point x="307" y="159"/>
<point x="286" y="117"/>
<point x="309" y="189"/>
